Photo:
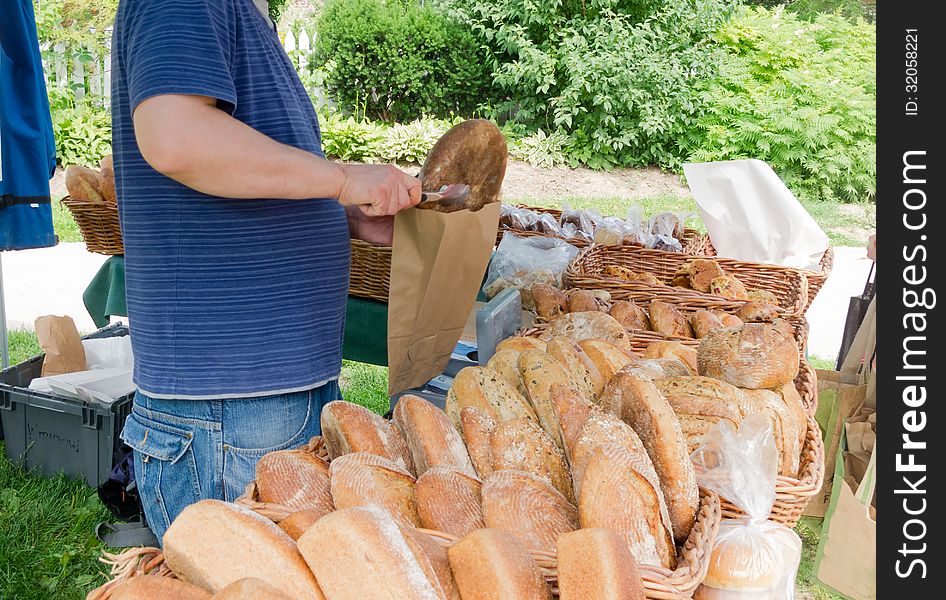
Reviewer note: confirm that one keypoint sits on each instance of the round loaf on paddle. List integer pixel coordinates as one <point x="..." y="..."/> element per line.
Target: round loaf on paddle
<point x="754" y="356"/>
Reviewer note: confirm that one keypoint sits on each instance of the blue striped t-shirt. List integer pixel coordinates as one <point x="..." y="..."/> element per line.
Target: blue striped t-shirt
<point x="227" y="298"/>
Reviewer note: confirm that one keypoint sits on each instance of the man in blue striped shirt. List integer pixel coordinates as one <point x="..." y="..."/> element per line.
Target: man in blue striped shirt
<point x="236" y="245"/>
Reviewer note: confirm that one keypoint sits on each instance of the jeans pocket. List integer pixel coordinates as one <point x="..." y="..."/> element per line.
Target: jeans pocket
<point x="165" y="469"/>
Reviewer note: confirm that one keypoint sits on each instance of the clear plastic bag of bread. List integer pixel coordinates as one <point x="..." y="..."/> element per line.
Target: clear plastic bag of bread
<point x="522" y="262"/>
<point x="578" y="223"/>
<point x="513" y="217"/>
<point x="666" y="230"/>
<point x="753" y="558"/>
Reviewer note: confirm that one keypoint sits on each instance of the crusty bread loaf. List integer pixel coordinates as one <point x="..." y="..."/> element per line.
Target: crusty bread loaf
<point x="448" y="500"/>
<point x="579" y="366"/>
<point x="361" y="479"/>
<point x="528" y="507"/>
<point x="583" y="301"/>
<point x="701" y="272"/>
<point x="348" y="428"/>
<point x="490" y="564"/>
<point x="297" y="523"/>
<point x="700" y="403"/>
<point x="580" y="326"/>
<point x="608" y="358"/>
<point x="571" y="410"/>
<point x="432" y="557"/>
<point x="541" y="371"/>
<point x="152" y="587"/>
<point x="107" y="179"/>
<point x="477" y="428"/>
<point x="667" y="349"/>
<point x="336" y="548"/>
<point x="755" y="356"/>
<point x="596" y="564"/>
<point x="758" y="312"/>
<point x="522" y="445"/>
<point x="506" y="363"/>
<point x="703" y="321"/>
<point x="729" y="286"/>
<point x="639" y="404"/>
<point x="486" y="390"/>
<point x="784" y="326"/>
<point x="630" y="315"/>
<point x="521" y="344"/>
<point x="294" y="478"/>
<point x="248" y="588"/>
<point x="82" y="183"/>
<point x="211" y="544"/>
<point x="728" y="320"/>
<point x="431" y="438"/>
<point x="786" y="429"/>
<point x="792" y="399"/>
<point x="550" y="302"/>
<point x="656" y="368"/>
<point x="666" y="319"/>
<point x="615" y="496"/>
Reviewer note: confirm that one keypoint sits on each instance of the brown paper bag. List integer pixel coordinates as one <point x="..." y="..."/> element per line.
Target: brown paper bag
<point x="437" y="266"/>
<point x="60" y="340"/>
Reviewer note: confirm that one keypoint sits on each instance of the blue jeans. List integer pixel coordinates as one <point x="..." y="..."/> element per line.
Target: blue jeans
<point x="190" y="450"/>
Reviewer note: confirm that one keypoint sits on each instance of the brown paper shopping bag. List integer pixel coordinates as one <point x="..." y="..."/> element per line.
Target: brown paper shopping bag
<point x="437" y="266"/>
<point x="60" y="340"/>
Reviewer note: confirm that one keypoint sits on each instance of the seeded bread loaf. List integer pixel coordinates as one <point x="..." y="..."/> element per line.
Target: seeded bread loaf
<point x="550" y="302"/>
<point x="607" y="358"/>
<point x="522" y="445"/>
<point x="487" y="390"/>
<point x="521" y="344"/>
<point x="540" y="371"/>
<point x="579" y="366"/>
<point x="754" y="356"/>
<point x="506" y="364"/>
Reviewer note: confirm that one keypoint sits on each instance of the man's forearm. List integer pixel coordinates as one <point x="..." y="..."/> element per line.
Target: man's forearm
<point x="191" y="141"/>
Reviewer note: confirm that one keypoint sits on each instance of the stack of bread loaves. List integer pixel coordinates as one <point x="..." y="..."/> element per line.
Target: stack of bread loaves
<point x="92" y="185"/>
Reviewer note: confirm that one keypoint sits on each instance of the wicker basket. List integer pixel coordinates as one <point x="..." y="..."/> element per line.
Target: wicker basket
<point x="693" y="241"/>
<point x="789" y="286"/>
<point x="816" y="279"/>
<point x="370" y="271"/>
<point x="99" y="225"/>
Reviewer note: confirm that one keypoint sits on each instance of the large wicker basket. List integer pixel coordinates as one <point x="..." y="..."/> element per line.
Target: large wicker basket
<point x="587" y="271"/>
<point x="99" y="225"/>
<point x="370" y="271"/>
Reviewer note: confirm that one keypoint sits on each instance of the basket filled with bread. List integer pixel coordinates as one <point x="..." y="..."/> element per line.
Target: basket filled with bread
<point x="93" y="205"/>
<point x="645" y="274"/>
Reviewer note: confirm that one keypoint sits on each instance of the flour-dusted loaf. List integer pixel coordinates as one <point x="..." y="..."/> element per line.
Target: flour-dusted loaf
<point x="448" y="500"/>
<point x="540" y="371"/>
<point x="528" y="507"/>
<point x="666" y="319"/>
<point x="703" y="321"/>
<point x="596" y="564"/>
<point x="608" y="358"/>
<point x="153" y="587"/>
<point x="248" y="588"/>
<point x="491" y="564"/>
<point x="335" y="549"/>
<point x="348" y="428"/>
<point x="506" y="363"/>
<point x="361" y="479"/>
<point x="668" y="349"/>
<point x="432" y="556"/>
<point x="615" y="496"/>
<point x="639" y="404"/>
<point x="297" y="523"/>
<point x="431" y="438"/>
<point x="579" y="326"/>
<point x="571" y="410"/>
<point x="477" y="429"/>
<point x="294" y="478"/>
<point x="211" y="544"/>
<point x="487" y="390"/>
<point x="522" y="445"/>
<point x="630" y="315"/>
<point x="579" y="366"/>
<point x="700" y="403"/>
<point x="754" y="356"/>
<point x="521" y="344"/>
<point x="786" y="429"/>
<point x="656" y="368"/>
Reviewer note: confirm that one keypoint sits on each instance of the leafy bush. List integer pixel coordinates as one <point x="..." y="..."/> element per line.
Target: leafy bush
<point x="541" y="150"/>
<point x="400" y="59"/>
<point x="348" y="138"/>
<point x="411" y="142"/>
<point x="82" y="128"/>
<point x="798" y="95"/>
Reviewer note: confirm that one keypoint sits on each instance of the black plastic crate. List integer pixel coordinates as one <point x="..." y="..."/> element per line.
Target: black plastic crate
<point x="50" y="434"/>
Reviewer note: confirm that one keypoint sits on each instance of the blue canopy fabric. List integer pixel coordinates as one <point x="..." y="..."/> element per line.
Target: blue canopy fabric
<point x="27" y="146"/>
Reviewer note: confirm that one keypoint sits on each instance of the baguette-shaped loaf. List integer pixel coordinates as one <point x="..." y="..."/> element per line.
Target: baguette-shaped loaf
<point x="361" y="479"/>
<point x="485" y="389"/>
<point x="477" y="428"/>
<point x="754" y="356"/>
<point x="596" y="564"/>
<point x="249" y="588"/>
<point x="582" y="370"/>
<point x="528" y="507"/>
<point x="615" y="496"/>
<point x="336" y="548"/>
<point x="667" y="349"/>
<point x="521" y="445"/>
<point x="431" y="438"/>
<point x="639" y="404"/>
<point x="571" y="410"/>
<point x="520" y="344"/>
<point x="152" y="587"/>
<point x="700" y="403"/>
<point x="298" y="522"/>
<point x="211" y="544"/>
<point x="294" y="478"/>
<point x="349" y="428"/>
<point x="448" y="500"/>
<point x="490" y="564"/>
<point x="579" y="326"/>
<point x="608" y="358"/>
<point x="506" y="363"/>
<point x="540" y="371"/>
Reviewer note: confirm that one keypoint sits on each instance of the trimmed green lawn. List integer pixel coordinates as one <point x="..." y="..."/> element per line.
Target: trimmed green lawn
<point x="64" y="225"/>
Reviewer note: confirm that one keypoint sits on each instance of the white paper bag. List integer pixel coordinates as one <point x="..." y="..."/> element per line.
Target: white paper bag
<point x="750" y="215"/>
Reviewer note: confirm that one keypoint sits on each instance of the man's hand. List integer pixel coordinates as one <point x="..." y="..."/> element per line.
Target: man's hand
<point x="376" y="230"/>
<point x="378" y="190"/>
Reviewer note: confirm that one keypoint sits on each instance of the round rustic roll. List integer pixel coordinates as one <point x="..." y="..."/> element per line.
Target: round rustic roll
<point x="668" y="349"/>
<point x="758" y="312"/>
<point x="583" y="301"/>
<point x="473" y="152"/>
<point x="630" y="315"/>
<point x="550" y="302"/>
<point x="666" y="319"/>
<point x="703" y="321"/>
<point x="754" y="356"/>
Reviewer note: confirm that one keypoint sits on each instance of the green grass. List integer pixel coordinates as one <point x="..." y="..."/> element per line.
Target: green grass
<point x="825" y="364"/>
<point x="845" y="224"/>
<point x="366" y="385"/>
<point x="809" y="530"/>
<point x="64" y="225"/>
<point x="22" y="344"/>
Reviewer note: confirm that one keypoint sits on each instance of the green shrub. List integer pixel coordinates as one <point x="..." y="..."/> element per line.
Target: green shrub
<point x="400" y="59"/>
<point x="541" y="150"/>
<point x="411" y="142"/>
<point x="798" y="95"/>
<point x="82" y="128"/>
<point x="348" y="138"/>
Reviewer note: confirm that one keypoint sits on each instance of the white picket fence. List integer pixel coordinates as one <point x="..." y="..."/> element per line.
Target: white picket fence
<point x="90" y="75"/>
